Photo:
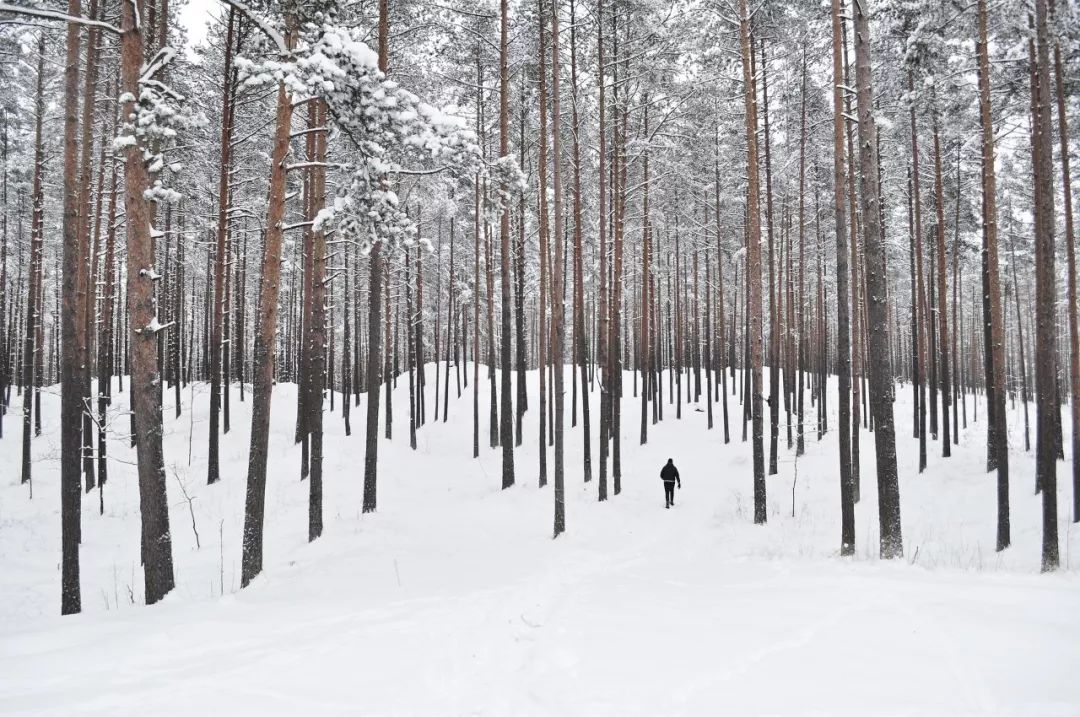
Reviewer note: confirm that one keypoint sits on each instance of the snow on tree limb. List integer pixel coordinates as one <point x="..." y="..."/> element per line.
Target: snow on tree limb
<point x="266" y="28"/>
<point x="57" y="15"/>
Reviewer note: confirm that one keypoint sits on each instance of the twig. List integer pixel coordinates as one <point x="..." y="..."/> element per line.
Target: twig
<point x="191" y="508"/>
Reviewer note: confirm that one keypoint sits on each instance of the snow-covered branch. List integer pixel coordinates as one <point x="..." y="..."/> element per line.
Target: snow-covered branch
<point x="57" y="15"/>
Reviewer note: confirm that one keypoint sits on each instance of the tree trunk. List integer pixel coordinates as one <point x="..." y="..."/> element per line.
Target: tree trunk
<point x="843" y="328"/>
<point x="558" y="330"/>
<point x="506" y="428"/>
<point x="923" y="318"/>
<point x="881" y="379"/>
<point x="33" y="319"/>
<point x="542" y="364"/>
<point x="316" y="341"/>
<point x="1046" y="294"/>
<point x="145" y="380"/>
<point x="212" y="462"/>
<point x="995" y="394"/>
<point x="70" y="373"/>
<point x="942" y="313"/>
<point x="1070" y="245"/>
<point x="603" y="330"/>
<point x="753" y="264"/>
<point x="266" y="328"/>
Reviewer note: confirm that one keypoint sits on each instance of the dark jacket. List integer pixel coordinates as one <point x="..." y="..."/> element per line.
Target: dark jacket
<point x="669" y="473"/>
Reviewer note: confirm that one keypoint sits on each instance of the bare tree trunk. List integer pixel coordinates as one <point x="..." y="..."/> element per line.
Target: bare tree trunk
<point x="644" y="325"/>
<point x="519" y="287"/>
<point x="558" y="330"/>
<point x="774" y="315"/>
<point x="316" y="342"/>
<point x="83" y="278"/>
<point x="33" y="318"/>
<point x="843" y="328"/>
<point x="1070" y="245"/>
<point x="800" y="442"/>
<point x="212" y="461"/>
<point x="923" y="317"/>
<point x="881" y="380"/>
<point x="942" y="314"/>
<point x="105" y="341"/>
<point x="542" y="364"/>
<point x="603" y="331"/>
<point x="373" y="379"/>
<point x="450" y="337"/>
<point x="1046" y="294"/>
<point x="720" y="300"/>
<point x="753" y="263"/>
<point x="266" y="325"/>
<point x="998" y="434"/>
<point x="580" y="352"/>
<point x="70" y="374"/>
<point x="854" y="281"/>
<point x="506" y="429"/>
<point x="145" y="390"/>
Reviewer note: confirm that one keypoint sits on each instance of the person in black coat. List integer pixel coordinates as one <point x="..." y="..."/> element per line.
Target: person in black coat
<point x="670" y="475"/>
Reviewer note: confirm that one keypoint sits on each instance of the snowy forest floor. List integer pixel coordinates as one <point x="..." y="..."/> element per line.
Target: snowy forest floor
<point x="453" y="599"/>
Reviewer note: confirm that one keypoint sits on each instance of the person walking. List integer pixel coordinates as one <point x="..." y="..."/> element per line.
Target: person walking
<point x="670" y="475"/>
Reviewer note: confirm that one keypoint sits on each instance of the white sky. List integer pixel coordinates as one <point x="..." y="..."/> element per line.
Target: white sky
<point x="194" y="16"/>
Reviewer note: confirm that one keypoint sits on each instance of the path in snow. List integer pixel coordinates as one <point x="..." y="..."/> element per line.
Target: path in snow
<point x="453" y="599"/>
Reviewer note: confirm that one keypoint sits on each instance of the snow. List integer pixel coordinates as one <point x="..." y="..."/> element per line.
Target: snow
<point x="454" y="599"/>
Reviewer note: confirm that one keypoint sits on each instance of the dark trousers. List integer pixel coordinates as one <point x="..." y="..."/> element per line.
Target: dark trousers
<point x="669" y="493"/>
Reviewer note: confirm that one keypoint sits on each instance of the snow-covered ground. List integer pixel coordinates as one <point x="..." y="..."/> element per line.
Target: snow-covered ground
<point x="453" y="599"/>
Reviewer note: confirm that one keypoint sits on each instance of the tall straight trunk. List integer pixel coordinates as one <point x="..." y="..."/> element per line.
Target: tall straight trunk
<point x="450" y="336"/>
<point x="266" y="326"/>
<point x="297" y="343"/>
<point x="542" y="352"/>
<point x="1020" y="354"/>
<point x="854" y="280"/>
<point x="145" y="392"/>
<point x="843" y="328"/>
<point x="1046" y="294"/>
<point x="957" y="314"/>
<point x="410" y="345"/>
<point x="923" y="317"/>
<point x="519" y="288"/>
<point x="753" y="263"/>
<point x="84" y="288"/>
<point x="558" y="330"/>
<point x="506" y="428"/>
<point x="316" y="341"/>
<point x="708" y="339"/>
<point x="882" y="384"/>
<point x="390" y="341"/>
<point x="942" y="314"/>
<point x="995" y="393"/>
<point x="37" y="200"/>
<point x="476" y="262"/>
<point x="105" y="338"/>
<point x="348" y="373"/>
<point x="603" y="330"/>
<point x="1070" y="247"/>
<point x="8" y="323"/>
<point x="774" y="315"/>
<point x="70" y="347"/>
<point x="492" y="359"/>
<point x="618" y="234"/>
<point x="580" y="353"/>
<point x="212" y="460"/>
<point x="375" y="348"/>
<point x="720" y="299"/>
<point x="644" y="326"/>
<point x="800" y="442"/>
